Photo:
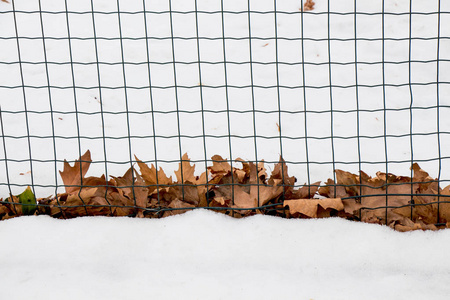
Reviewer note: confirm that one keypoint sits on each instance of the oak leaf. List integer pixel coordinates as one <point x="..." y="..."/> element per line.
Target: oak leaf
<point x="310" y="207"/>
<point x="152" y="177"/>
<point x="87" y="202"/>
<point x="444" y="208"/>
<point x="187" y="192"/>
<point x="246" y="188"/>
<point x="3" y="209"/>
<point x="332" y="190"/>
<point x="349" y="181"/>
<point x="280" y="176"/>
<point x="134" y="189"/>
<point x="220" y="166"/>
<point x="185" y="176"/>
<point x="306" y="191"/>
<point x="73" y="176"/>
<point x="178" y="206"/>
<point x="263" y="193"/>
<point x="185" y="170"/>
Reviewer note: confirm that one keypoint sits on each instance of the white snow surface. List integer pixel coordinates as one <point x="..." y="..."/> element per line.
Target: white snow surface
<point x="207" y="255"/>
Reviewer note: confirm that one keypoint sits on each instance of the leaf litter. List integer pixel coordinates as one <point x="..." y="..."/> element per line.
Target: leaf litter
<point x="400" y="202"/>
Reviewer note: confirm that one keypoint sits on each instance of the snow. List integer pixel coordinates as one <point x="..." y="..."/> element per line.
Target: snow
<point x="202" y="254"/>
<point x="207" y="255"/>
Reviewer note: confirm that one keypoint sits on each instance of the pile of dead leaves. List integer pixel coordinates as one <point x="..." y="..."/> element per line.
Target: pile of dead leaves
<point x="403" y="203"/>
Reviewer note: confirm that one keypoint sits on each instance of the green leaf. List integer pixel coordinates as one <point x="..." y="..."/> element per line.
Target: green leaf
<point x="28" y="201"/>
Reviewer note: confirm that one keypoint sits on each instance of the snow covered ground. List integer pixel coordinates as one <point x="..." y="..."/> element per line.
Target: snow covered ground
<point x="206" y="255"/>
<point x="201" y="254"/>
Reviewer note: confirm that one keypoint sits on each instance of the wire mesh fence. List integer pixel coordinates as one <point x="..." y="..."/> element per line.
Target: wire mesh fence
<point x="345" y="86"/>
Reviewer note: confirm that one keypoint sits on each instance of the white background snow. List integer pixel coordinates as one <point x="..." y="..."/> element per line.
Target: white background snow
<point x="202" y="254"/>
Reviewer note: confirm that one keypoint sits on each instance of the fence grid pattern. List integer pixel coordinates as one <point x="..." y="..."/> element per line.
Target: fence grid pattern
<point x="352" y="86"/>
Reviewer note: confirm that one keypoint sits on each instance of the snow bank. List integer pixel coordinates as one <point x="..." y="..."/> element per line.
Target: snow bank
<point x="206" y="255"/>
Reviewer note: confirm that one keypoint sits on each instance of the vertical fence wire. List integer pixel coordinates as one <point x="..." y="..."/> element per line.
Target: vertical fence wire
<point x="227" y="98"/>
<point x="438" y="119"/>
<point x="277" y="72"/>
<point x="19" y="55"/>
<point x="201" y="98"/>
<point x="176" y="97"/>
<point x="127" y="112"/>
<point x="152" y="109"/>
<point x="47" y="78"/>
<point x="8" y="182"/>
<point x="411" y="104"/>
<point x="305" y="106"/>
<point x="69" y="40"/>
<point x="100" y="99"/>
<point x="252" y="88"/>
<point x="358" y="120"/>
<point x="383" y="68"/>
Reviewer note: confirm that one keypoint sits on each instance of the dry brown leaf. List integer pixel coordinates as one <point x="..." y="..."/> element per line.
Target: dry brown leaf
<point x="384" y="190"/>
<point x="444" y="208"/>
<point x="306" y="191"/>
<point x="309" y="5"/>
<point x="140" y="194"/>
<point x="123" y="206"/>
<point x="243" y="199"/>
<point x="73" y="176"/>
<point x="220" y="201"/>
<point x="178" y="205"/>
<point x="241" y="175"/>
<point x="187" y="193"/>
<point x="258" y="190"/>
<point x="124" y="183"/>
<point x="309" y="207"/>
<point x="280" y="171"/>
<point x="408" y="225"/>
<point x="14" y="209"/>
<point x="220" y="166"/>
<point x="331" y="190"/>
<point x="3" y="209"/>
<point x="225" y="186"/>
<point x="84" y="196"/>
<point x="262" y="174"/>
<point x="87" y="202"/>
<point x="349" y="181"/>
<point x="152" y="177"/>
<point x="6" y="1"/>
<point x="185" y="171"/>
<point x="351" y="206"/>
<point x="202" y="188"/>
<point x="425" y="213"/>
<point x="419" y="174"/>
<point x="424" y="184"/>
<point x="133" y="189"/>
<point x="246" y="188"/>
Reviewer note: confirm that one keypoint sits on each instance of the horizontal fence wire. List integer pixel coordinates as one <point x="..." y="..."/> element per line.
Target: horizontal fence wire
<point x="357" y="87"/>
